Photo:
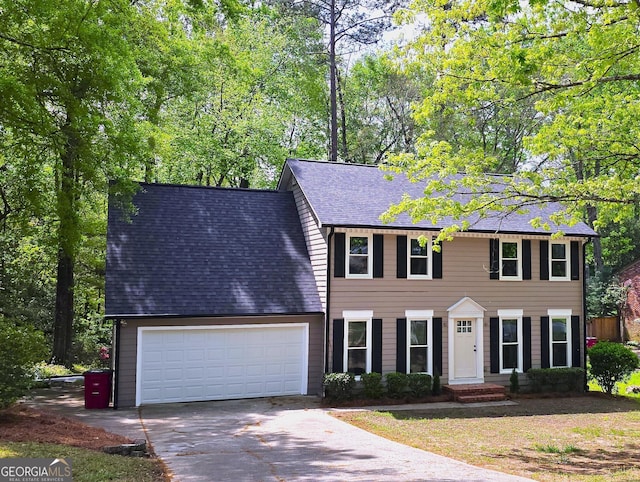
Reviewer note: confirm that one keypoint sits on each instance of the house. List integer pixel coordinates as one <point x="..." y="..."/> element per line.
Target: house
<point x="227" y="293"/>
<point x="629" y="276"/>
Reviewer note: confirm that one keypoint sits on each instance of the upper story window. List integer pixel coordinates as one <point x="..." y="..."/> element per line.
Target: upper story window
<point x="359" y="258"/>
<point x="419" y="341"/>
<point x="510" y="260"/>
<point x="560" y="329"/>
<point x="510" y="340"/>
<point x="419" y="259"/>
<point x="559" y="261"/>
<point x="357" y="342"/>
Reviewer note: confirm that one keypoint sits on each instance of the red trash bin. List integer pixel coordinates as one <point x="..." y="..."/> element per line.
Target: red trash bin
<point x="97" y="389"/>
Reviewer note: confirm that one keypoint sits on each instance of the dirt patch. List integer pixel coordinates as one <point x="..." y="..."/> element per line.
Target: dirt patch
<point x="23" y="424"/>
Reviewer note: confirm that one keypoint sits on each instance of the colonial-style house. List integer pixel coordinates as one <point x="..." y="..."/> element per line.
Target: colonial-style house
<point x="236" y="293"/>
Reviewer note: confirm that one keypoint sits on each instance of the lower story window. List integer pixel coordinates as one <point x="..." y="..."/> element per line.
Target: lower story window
<point x="357" y="356"/>
<point x="560" y="329"/>
<point x="419" y="336"/>
<point x="510" y="340"/>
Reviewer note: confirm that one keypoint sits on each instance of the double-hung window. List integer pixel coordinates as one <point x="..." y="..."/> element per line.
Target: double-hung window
<point x="419" y="259"/>
<point x="359" y="258"/>
<point x="559" y="260"/>
<point x="419" y="340"/>
<point x="560" y="329"/>
<point x="510" y="340"/>
<point x="510" y="260"/>
<point x="357" y="341"/>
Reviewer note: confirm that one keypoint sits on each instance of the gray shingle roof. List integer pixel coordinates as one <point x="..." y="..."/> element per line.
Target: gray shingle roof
<point x="356" y="195"/>
<point x="208" y="251"/>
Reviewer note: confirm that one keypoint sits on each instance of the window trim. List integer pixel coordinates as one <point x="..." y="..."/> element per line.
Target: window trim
<point x="358" y="316"/>
<point x="429" y="257"/>
<point x="566" y="315"/>
<point x="567" y="260"/>
<point x="369" y="274"/>
<point x="518" y="243"/>
<point x="420" y="315"/>
<point x="510" y="315"/>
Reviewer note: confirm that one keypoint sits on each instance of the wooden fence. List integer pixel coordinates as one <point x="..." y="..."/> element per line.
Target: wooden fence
<point x="605" y="328"/>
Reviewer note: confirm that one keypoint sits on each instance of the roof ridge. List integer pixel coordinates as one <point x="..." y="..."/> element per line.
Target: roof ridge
<point x="219" y="188"/>
<point x="334" y="163"/>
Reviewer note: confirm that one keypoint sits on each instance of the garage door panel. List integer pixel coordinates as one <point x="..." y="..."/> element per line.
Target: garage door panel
<point x="221" y="363"/>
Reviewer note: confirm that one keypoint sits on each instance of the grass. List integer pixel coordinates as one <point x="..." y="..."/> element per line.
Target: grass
<point x="89" y="465"/>
<point x="584" y="438"/>
<point x="621" y="387"/>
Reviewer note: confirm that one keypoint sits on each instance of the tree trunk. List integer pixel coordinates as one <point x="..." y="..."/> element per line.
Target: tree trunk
<point x="343" y="115"/>
<point x="598" y="260"/>
<point x="68" y="236"/>
<point x="63" y="328"/>
<point x="332" y="84"/>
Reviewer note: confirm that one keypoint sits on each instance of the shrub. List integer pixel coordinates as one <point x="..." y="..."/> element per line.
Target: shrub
<point x="556" y="379"/>
<point x="396" y="384"/>
<point x="372" y="383"/>
<point x="21" y="347"/>
<point x="419" y="384"/>
<point x="436" y="389"/>
<point x="339" y="386"/>
<point x="611" y="363"/>
<point x="514" y="382"/>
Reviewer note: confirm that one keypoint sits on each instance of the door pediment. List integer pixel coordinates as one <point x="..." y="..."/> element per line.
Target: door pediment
<point x="466" y="308"/>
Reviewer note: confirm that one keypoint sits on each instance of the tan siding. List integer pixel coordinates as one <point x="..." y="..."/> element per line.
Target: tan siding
<point x="316" y="241"/>
<point x="465" y="273"/>
<point x="127" y="356"/>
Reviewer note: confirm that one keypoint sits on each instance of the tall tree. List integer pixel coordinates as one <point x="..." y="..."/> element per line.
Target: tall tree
<point x="69" y="85"/>
<point x="575" y="65"/>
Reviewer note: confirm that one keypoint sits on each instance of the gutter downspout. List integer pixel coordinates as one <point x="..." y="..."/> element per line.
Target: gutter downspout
<point x="584" y="314"/>
<point x="328" y="302"/>
<point x="116" y="360"/>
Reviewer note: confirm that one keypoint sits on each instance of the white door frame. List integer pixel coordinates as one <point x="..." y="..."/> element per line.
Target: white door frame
<point x="466" y="309"/>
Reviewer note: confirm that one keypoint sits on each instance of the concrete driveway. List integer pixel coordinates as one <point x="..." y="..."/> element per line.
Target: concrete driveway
<point x="286" y="439"/>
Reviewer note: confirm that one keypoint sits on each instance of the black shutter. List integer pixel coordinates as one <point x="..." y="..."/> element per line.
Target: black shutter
<point x="437" y="346"/>
<point x="378" y="255"/>
<point x="376" y="346"/>
<point x="575" y="341"/>
<point x="526" y="343"/>
<point x="544" y="260"/>
<point x="526" y="259"/>
<point x="401" y="257"/>
<point x="339" y="254"/>
<point x="575" y="260"/>
<point x="494" y="344"/>
<point x="544" y="342"/>
<point x="437" y="263"/>
<point x="338" y="346"/>
<point x="494" y="259"/>
<point x="401" y="345"/>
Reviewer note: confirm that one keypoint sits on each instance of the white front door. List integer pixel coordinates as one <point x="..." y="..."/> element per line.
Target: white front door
<point x="465" y="349"/>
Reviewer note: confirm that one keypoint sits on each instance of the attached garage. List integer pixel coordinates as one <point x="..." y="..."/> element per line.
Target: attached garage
<point x="193" y="363"/>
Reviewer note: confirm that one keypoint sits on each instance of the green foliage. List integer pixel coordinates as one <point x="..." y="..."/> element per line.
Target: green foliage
<point x="21" y="347"/>
<point x="532" y="88"/>
<point x="373" y="387"/>
<point x="397" y="384"/>
<point x="339" y="386"/>
<point x="514" y="382"/>
<point x="556" y="379"/>
<point x="419" y="384"/>
<point x="611" y="363"/>
<point x="605" y="296"/>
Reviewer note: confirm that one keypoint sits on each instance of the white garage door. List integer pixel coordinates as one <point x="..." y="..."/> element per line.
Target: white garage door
<point x="178" y="364"/>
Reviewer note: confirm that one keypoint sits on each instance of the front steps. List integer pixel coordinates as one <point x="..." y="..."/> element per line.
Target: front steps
<point x="477" y="392"/>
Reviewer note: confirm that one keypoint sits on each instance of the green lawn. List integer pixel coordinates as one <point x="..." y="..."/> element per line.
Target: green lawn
<point x="89" y="465"/>
<point x="584" y="438"/>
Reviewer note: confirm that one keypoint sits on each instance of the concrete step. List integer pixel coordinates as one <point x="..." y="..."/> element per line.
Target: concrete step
<point x="487" y="397"/>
